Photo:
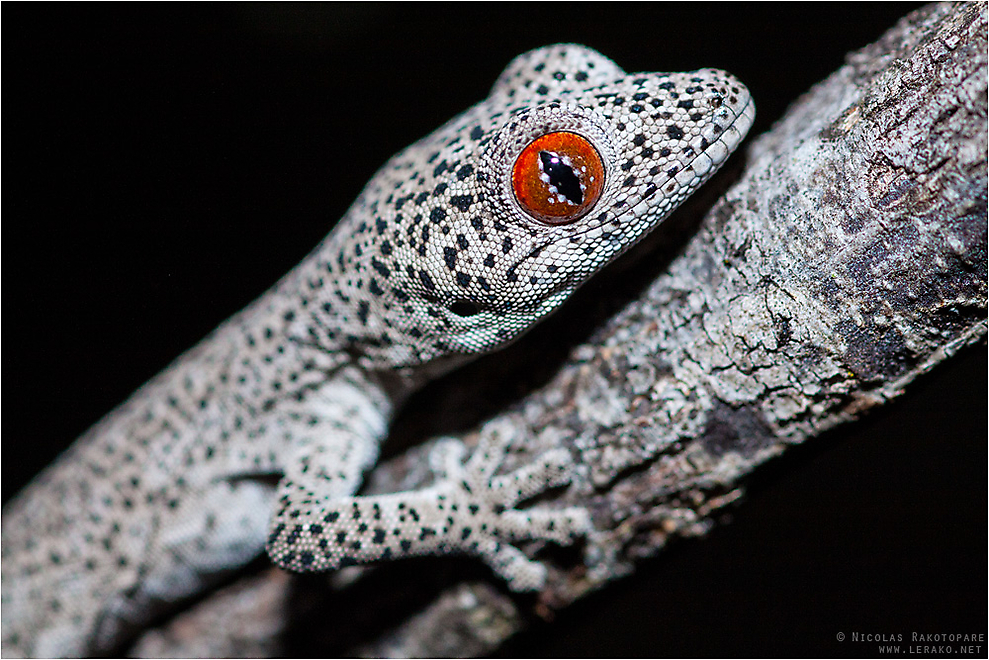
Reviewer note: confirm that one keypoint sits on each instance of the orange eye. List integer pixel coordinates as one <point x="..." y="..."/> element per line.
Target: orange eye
<point x="558" y="178"/>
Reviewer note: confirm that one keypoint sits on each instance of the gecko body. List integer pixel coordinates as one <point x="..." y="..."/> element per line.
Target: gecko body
<point x="456" y="247"/>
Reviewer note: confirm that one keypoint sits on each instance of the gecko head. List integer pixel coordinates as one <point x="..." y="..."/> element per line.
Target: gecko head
<point x="470" y="236"/>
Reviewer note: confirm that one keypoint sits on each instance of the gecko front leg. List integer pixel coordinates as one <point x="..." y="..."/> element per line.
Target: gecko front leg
<point x="468" y="510"/>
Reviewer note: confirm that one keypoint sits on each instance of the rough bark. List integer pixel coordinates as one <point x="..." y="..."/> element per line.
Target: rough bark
<point x="848" y="259"/>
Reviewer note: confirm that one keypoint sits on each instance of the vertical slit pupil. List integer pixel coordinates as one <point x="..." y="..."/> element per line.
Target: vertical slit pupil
<point x="562" y="176"/>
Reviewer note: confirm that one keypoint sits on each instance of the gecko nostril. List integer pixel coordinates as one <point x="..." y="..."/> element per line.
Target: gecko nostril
<point x="464" y="308"/>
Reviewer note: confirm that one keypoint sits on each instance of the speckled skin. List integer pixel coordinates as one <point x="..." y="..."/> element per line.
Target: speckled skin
<point x="434" y="263"/>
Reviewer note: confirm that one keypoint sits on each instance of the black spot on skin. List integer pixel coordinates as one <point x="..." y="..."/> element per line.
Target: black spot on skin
<point x="437" y="215"/>
<point x="506" y="245"/>
<point x="362" y="311"/>
<point x="293" y="536"/>
<point x="275" y="533"/>
<point x="674" y="132"/>
<point x="489" y="261"/>
<point x="464" y="172"/>
<point x="462" y="202"/>
<point x="380" y="267"/>
<point x="426" y="280"/>
<point x="450" y="257"/>
<point x="463" y="279"/>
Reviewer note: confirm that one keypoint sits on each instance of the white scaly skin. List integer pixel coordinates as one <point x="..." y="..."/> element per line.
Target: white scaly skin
<point x="436" y="262"/>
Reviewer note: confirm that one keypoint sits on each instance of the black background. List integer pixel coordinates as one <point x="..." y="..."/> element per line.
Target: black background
<point x="164" y="165"/>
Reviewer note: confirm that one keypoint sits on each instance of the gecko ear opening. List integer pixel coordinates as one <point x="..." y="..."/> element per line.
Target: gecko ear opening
<point x="464" y="308"/>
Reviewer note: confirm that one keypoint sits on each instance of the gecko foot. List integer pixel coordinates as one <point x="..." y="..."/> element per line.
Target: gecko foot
<point x="469" y="510"/>
<point x="488" y="523"/>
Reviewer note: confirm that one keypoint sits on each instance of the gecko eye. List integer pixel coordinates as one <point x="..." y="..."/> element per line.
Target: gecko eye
<point x="558" y="178"/>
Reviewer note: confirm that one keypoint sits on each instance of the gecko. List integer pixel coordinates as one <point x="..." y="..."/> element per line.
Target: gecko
<point x="257" y="439"/>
